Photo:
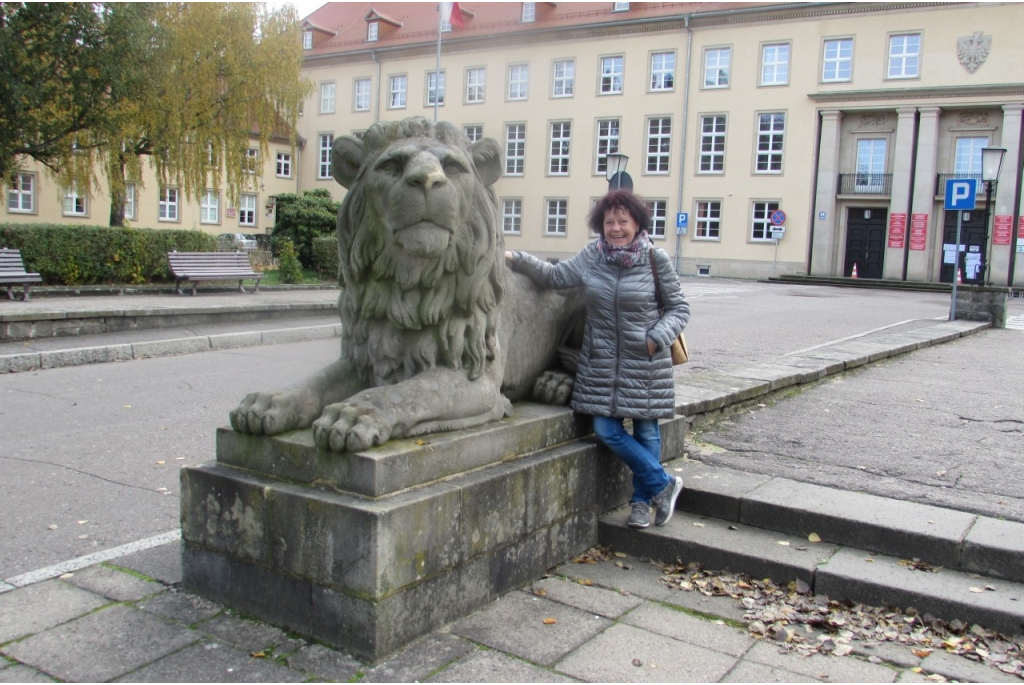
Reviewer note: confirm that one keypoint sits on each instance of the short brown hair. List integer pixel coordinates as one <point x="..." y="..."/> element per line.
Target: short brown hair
<point x="620" y="199"/>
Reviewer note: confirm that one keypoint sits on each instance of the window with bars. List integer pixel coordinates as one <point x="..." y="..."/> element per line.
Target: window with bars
<point x="168" y="205"/>
<point x="475" y="79"/>
<point x="607" y="142"/>
<point x="21" y="196"/>
<point x="512" y="216"/>
<point x="659" y="214"/>
<point x="708" y="220"/>
<point x="327" y="98"/>
<point x="716" y="67"/>
<point x="435" y="88"/>
<point x="663" y="71"/>
<point x="561" y="139"/>
<point x="474" y="132"/>
<point x="775" y="65"/>
<point x="712" y="144"/>
<point x="557" y="217"/>
<point x="324" y="148"/>
<point x="518" y="81"/>
<point x="904" y="55"/>
<point x="209" y="208"/>
<point x="284" y="165"/>
<point x="397" y="89"/>
<point x="361" y="102"/>
<point x="611" y="75"/>
<point x="515" y="149"/>
<point x="247" y="210"/>
<point x="761" y="225"/>
<point x="837" y="60"/>
<point x="771" y="129"/>
<point x="659" y="144"/>
<point x="564" y="78"/>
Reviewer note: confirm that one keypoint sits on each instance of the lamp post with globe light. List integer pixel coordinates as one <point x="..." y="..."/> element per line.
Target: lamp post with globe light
<point x="615" y="172"/>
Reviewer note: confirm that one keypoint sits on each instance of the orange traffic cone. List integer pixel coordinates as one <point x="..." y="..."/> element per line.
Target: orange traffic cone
<point x="854" y="274"/>
<point x="959" y="277"/>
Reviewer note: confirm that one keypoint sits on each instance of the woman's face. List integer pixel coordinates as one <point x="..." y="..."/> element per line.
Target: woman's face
<point x="619" y="227"/>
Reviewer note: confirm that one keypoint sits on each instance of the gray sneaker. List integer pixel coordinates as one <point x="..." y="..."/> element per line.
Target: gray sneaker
<point x="640" y="516"/>
<point x="665" y="501"/>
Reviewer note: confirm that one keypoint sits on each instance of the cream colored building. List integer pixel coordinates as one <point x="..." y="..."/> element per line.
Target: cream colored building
<point x="845" y="116"/>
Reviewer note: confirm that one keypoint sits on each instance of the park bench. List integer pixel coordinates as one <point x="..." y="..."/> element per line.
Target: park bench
<point x="12" y="273"/>
<point x="211" y="266"/>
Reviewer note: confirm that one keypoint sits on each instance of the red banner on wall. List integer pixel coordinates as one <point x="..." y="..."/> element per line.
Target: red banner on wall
<point x="918" y="231"/>
<point x="1002" y="229"/>
<point x="1020" y="229"/>
<point x="897" y="229"/>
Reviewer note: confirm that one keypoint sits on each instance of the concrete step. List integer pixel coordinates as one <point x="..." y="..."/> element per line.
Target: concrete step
<point x="760" y="525"/>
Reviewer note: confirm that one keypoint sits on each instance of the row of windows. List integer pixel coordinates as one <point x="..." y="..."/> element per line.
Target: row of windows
<point x="21" y="199"/>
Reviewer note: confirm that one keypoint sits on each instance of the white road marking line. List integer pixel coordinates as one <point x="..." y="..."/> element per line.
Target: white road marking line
<point x="88" y="560"/>
<point x="1015" y="322"/>
<point x="850" y="337"/>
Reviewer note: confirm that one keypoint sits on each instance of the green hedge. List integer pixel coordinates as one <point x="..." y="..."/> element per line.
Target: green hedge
<point x="325" y="257"/>
<point x="96" y="255"/>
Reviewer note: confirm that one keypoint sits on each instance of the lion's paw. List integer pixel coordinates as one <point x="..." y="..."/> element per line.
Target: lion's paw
<point x="262" y="413"/>
<point x="553" y="387"/>
<point x="346" y="427"/>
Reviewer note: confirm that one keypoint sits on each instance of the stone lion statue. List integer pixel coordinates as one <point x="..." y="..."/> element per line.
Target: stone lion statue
<point x="437" y="332"/>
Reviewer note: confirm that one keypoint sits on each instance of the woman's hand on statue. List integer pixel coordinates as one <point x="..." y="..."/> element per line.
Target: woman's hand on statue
<point x="510" y="256"/>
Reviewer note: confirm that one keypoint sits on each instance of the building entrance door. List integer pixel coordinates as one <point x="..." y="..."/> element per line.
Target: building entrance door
<point x="973" y="241"/>
<point x="865" y="241"/>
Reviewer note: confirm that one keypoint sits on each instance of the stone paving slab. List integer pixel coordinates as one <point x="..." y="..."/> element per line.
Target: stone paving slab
<point x="829" y="668"/>
<point x="679" y="625"/>
<point x="715" y="491"/>
<point x="37" y="607"/>
<point x="594" y="600"/>
<point x="495" y="667"/>
<point x="210" y="662"/>
<point x="425" y="656"/>
<point x="750" y="672"/>
<point x="22" y="674"/>
<point x="963" y="670"/>
<point x="115" y="585"/>
<point x="995" y="548"/>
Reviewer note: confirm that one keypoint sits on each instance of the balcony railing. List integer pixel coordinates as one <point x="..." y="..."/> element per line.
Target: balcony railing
<point x="940" y="181"/>
<point x="865" y="184"/>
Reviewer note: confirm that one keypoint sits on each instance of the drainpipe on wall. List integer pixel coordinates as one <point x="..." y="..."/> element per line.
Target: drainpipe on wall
<point x="686" y="126"/>
<point x="376" y="105"/>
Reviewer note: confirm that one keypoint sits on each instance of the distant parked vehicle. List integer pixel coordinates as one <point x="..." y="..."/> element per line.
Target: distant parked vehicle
<point x="236" y="241"/>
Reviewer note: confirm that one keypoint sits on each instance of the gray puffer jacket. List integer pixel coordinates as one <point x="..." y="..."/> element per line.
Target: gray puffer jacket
<point x="617" y="376"/>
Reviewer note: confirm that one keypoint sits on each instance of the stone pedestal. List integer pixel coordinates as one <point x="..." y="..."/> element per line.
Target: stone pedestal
<point x="367" y="551"/>
<point x="982" y="303"/>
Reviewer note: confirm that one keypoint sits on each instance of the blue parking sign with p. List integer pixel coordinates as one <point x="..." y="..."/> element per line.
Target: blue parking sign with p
<point x="961" y="194"/>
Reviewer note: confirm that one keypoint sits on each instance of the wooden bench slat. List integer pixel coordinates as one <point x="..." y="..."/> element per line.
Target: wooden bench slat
<point x="212" y="266"/>
<point x="12" y="272"/>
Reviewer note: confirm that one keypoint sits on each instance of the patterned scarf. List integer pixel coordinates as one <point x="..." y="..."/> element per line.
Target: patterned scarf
<point x="625" y="256"/>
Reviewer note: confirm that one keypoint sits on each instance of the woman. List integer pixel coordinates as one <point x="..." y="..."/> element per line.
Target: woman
<point x="625" y="367"/>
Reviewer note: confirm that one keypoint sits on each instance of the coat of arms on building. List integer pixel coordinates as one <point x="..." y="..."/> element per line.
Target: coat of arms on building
<point x="973" y="50"/>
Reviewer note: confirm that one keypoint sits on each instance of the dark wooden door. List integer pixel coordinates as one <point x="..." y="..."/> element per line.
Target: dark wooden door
<point x="865" y="241"/>
<point x="973" y="242"/>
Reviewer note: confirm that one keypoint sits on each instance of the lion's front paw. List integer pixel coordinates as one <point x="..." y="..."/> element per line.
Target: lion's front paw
<point x="262" y="413"/>
<point x="350" y="427"/>
<point x="553" y="387"/>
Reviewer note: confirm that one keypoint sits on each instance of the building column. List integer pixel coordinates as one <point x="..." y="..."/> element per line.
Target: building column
<point x="899" y="201"/>
<point x="924" y="233"/>
<point x="825" y="231"/>
<point x="999" y="262"/>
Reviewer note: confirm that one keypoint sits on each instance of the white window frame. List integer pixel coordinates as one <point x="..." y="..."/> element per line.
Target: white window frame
<point x="560" y="148"/>
<point x="436" y="87"/>
<point x="325" y="142"/>
<point x="613" y="69"/>
<point x="20" y="200"/>
<point x="209" y="207"/>
<point x="131" y="207"/>
<point x="372" y="31"/>
<point x="167" y="209"/>
<point x="476" y="80"/>
<point x="529" y="12"/>
<point x="776" y="64"/>
<point x="663" y="72"/>
<point x="474" y="132"/>
<point x="252" y="160"/>
<point x="717" y="67"/>
<point x="771" y="142"/>
<point x="707" y="223"/>
<point x="362" y="92"/>
<point x="659" y="218"/>
<point x="609" y="132"/>
<point x="760" y="220"/>
<point x="556" y="217"/>
<point x="512" y="216"/>
<point x="518" y="82"/>
<point x="515" y="149"/>
<point x="620" y="7"/>
<point x="563" y="78"/>
<point x="328" y="97"/>
<point x="713" y="129"/>
<point x="74" y="203"/>
<point x="967" y="155"/>
<point x="398" y="91"/>
<point x="837" y="60"/>
<point x="283" y="168"/>
<point x="247" y="209"/>
<point x="870" y="166"/>
<point x="307" y="39"/>
<point x="658" y="154"/>
<point x="904" y="60"/>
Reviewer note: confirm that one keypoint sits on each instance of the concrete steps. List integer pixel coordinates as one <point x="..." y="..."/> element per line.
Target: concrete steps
<point x="759" y="525"/>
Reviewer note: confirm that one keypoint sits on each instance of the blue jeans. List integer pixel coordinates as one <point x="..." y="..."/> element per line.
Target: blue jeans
<point x="641" y="452"/>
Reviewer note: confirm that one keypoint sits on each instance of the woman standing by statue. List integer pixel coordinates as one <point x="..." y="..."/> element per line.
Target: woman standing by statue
<point x="625" y="367"/>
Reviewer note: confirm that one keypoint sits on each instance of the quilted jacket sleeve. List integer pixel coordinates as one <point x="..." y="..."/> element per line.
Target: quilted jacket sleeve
<point x="567" y="274"/>
<point x="677" y="309"/>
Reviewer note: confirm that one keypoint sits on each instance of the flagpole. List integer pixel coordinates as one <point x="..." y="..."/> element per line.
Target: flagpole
<point x="437" y="72"/>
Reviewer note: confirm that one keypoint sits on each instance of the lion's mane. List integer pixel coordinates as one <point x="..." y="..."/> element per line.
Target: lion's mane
<point x="402" y="315"/>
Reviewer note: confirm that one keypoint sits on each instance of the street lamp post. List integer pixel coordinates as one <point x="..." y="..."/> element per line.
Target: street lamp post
<point x="615" y="168"/>
<point x="991" y="160"/>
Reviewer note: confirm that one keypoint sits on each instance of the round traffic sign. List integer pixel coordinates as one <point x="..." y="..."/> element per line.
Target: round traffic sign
<point x="778" y="217"/>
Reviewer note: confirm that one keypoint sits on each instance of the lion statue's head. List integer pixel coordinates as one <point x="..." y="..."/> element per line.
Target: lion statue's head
<point x="422" y="268"/>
